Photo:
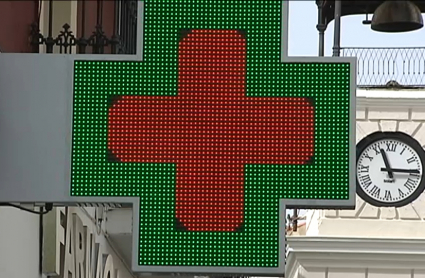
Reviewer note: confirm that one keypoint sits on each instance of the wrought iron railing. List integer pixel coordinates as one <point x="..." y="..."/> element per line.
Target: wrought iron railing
<point x="122" y="40"/>
<point x="389" y="66"/>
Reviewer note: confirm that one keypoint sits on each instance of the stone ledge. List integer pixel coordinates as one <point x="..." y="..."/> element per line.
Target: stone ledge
<point x="380" y="113"/>
<point x="418" y="114"/>
<point x="403" y="99"/>
<point x="352" y="253"/>
<point x="370" y="228"/>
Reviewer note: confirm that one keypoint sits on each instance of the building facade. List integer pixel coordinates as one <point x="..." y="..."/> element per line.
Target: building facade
<point x="368" y="242"/>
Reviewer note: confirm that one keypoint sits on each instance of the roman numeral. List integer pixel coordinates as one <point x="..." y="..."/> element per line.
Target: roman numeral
<point x="376" y="149"/>
<point x="402" y="151"/>
<point x="375" y="191"/>
<point x="400" y="193"/>
<point x="366" y="181"/>
<point x="391" y="147"/>
<point x="414" y="175"/>
<point x="370" y="158"/>
<point x="410" y="160"/>
<point x="388" y="196"/>
<point x="409" y="184"/>
<point x="364" y="169"/>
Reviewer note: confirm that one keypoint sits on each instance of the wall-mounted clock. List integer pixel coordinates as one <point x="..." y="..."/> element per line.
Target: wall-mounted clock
<point x="390" y="168"/>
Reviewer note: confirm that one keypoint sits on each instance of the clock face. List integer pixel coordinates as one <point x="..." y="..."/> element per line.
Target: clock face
<point x="389" y="169"/>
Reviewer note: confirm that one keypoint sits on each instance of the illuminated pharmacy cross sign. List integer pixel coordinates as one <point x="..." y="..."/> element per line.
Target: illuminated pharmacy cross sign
<point x="211" y="130"/>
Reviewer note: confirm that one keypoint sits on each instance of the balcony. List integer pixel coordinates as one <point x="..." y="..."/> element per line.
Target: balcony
<point x="401" y="67"/>
<point x="69" y="27"/>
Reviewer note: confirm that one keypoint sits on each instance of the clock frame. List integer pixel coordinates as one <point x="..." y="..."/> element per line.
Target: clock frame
<point x="389" y="169"/>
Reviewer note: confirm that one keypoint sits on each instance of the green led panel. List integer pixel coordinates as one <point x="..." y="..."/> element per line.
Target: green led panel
<point x="210" y="131"/>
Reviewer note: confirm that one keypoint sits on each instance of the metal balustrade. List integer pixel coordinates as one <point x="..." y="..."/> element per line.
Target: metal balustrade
<point x="389" y="66"/>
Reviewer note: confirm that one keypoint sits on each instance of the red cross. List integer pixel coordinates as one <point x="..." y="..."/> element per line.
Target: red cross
<point x="211" y="130"/>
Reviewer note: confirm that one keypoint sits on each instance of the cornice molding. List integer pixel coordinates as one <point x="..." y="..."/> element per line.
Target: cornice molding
<point x="338" y="244"/>
<point x="352" y="252"/>
<point x="390" y="98"/>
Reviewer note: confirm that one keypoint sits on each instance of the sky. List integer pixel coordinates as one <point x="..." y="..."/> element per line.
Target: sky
<point x="304" y="37"/>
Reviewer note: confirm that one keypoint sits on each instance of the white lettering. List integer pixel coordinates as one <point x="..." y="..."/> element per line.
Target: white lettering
<point x="108" y="271"/>
<point x="60" y="236"/>
<point x="83" y="257"/>
<point x="69" y="266"/>
<point x="80" y="247"/>
<point x="99" y="267"/>
<point x="90" y="247"/>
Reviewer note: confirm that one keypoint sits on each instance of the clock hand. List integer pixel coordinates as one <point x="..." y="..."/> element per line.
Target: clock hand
<point x="387" y="164"/>
<point x="395" y="170"/>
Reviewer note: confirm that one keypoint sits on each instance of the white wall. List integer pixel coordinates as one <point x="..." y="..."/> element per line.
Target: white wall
<point x="19" y="244"/>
